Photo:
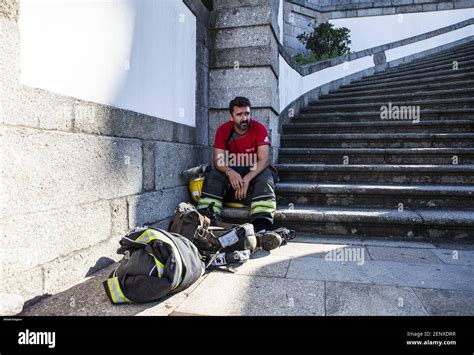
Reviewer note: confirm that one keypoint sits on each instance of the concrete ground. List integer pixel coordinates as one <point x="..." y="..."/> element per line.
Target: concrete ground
<point x="308" y="277"/>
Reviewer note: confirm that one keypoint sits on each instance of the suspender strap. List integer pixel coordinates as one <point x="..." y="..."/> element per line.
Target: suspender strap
<point x="230" y="136"/>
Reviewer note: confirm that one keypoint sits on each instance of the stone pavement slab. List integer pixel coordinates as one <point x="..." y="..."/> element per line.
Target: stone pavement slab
<point x="264" y="264"/>
<point x="450" y="244"/>
<point x="89" y="299"/>
<point x="455" y="256"/>
<point x="331" y="239"/>
<point x="352" y="299"/>
<point x="300" y="279"/>
<point x="296" y="249"/>
<point x="454" y="277"/>
<point x="403" y="255"/>
<point x="446" y="302"/>
<point x="226" y="294"/>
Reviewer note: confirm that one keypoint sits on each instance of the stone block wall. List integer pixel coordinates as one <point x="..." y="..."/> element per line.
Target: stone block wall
<point x="298" y="19"/>
<point x="244" y="62"/>
<point x="76" y="176"/>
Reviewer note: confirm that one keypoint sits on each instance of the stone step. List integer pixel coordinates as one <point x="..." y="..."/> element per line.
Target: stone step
<point x="376" y="196"/>
<point x="413" y="89"/>
<point x="410" y="81"/>
<point x="363" y="97"/>
<point x="364" y="156"/>
<point x="445" y="62"/>
<point x="349" y="172"/>
<point x="458" y="102"/>
<point x="379" y="140"/>
<point x="452" y="52"/>
<point x="383" y="126"/>
<point x="374" y="116"/>
<point x="466" y="65"/>
<point x="378" y="174"/>
<point x="369" y="222"/>
<point x="442" y="58"/>
<point x="400" y="79"/>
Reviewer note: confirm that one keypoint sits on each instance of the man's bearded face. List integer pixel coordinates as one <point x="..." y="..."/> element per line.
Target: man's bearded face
<point x="241" y="117"/>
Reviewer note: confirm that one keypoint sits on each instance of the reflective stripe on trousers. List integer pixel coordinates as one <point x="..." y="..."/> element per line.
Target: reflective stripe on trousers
<point x="205" y="201"/>
<point x="261" y="189"/>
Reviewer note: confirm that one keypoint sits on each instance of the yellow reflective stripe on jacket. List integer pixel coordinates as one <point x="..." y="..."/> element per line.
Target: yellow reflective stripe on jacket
<point x="116" y="292"/>
<point x="179" y="263"/>
<point x="159" y="265"/>
<point x="151" y="234"/>
<point x="147" y="236"/>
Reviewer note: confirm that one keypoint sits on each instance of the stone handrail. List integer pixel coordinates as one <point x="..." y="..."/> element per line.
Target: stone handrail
<point x="377" y="51"/>
<point x="402" y="5"/>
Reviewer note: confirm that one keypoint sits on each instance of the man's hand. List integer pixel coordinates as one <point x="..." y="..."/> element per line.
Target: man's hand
<point x="241" y="193"/>
<point x="235" y="179"/>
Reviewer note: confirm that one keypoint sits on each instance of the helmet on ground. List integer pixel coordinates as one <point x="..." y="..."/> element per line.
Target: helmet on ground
<point x="195" y="188"/>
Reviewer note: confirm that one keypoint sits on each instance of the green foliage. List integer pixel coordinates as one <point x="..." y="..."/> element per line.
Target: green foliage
<point x="302" y="59"/>
<point x="208" y="3"/>
<point x="324" y="42"/>
<point x="312" y="58"/>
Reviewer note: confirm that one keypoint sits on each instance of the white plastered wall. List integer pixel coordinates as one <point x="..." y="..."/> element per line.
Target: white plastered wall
<point x="373" y="31"/>
<point x="138" y="55"/>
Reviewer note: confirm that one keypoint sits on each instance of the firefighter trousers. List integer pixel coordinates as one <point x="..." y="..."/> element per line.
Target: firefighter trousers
<point x="260" y="194"/>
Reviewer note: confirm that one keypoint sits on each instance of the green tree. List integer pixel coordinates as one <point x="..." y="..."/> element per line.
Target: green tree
<point x="324" y="42"/>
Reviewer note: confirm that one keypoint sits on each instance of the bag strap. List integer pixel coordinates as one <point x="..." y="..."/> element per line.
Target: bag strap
<point x="230" y="136"/>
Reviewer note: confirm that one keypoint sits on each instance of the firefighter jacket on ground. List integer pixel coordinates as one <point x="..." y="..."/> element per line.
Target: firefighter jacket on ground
<point x="155" y="264"/>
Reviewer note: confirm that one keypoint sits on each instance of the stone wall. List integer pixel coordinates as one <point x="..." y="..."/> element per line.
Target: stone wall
<point x="76" y="176"/>
<point x="244" y="62"/>
<point x="298" y="19"/>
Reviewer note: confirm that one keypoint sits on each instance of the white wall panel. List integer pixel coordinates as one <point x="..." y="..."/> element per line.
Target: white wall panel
<point x="372" y="31"/>
<point x="138" y="55"/>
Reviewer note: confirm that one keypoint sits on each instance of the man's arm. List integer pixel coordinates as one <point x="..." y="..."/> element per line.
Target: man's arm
<point x="219" y="160"/>
<point x="220" y="164"/>
<point x="263" y="161"/>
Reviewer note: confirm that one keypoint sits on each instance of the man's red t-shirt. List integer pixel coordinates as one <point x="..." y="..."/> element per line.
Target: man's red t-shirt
<point x="244" y="144"/>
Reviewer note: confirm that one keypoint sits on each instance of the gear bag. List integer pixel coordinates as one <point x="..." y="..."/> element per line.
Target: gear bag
<point x="212" y="237"/>
<point x="187" y="220"/>
<point x="155" y="264"/>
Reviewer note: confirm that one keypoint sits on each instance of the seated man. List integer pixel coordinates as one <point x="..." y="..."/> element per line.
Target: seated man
<point x="242" y="167"/>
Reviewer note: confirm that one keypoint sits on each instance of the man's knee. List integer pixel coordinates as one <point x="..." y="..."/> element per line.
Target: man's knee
<point x="263" y="203"/>
<point x="265" y="178"/>
<point x="214" y="174"/>
<point x="214" y="182"/>
<point x="213" y="191"/>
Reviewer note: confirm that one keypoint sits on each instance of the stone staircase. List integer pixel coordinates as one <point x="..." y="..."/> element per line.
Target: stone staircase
<point x="346" y="171"/>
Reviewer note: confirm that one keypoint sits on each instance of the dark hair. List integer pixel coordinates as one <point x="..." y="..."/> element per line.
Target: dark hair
<point x="239" y="101"/>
